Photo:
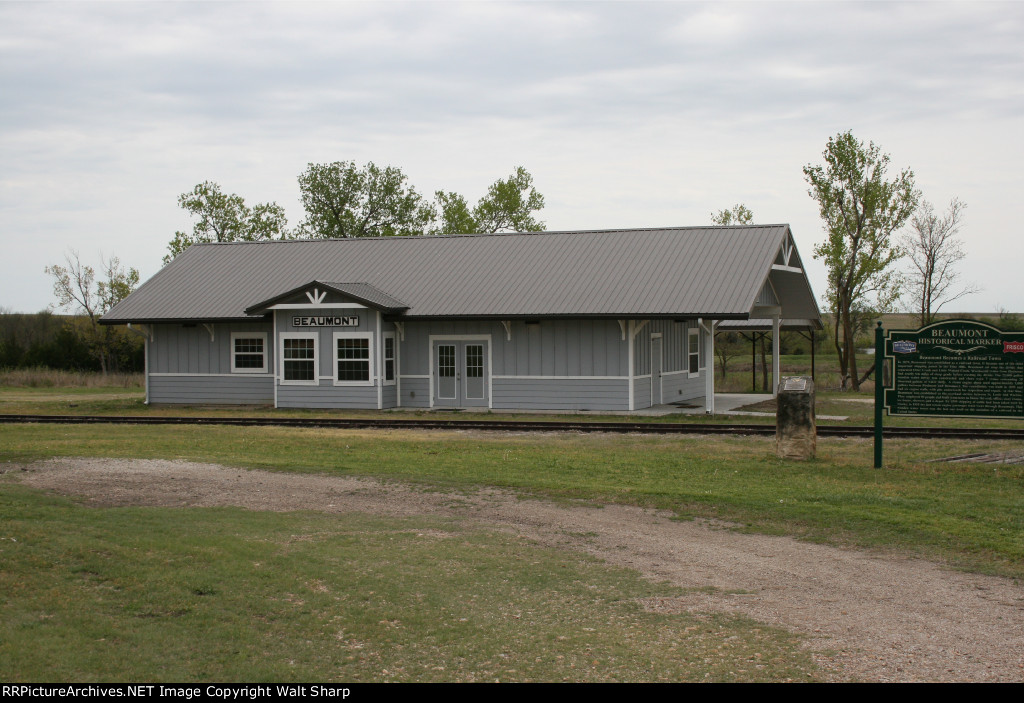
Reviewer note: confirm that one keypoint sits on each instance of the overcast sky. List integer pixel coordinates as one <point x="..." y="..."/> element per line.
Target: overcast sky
<point x="627" y="114"/>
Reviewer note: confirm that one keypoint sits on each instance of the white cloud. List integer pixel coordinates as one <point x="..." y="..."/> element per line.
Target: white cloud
<point x="627" y="114"/>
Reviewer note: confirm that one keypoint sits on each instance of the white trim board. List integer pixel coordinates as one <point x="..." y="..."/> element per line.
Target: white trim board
<point x="563" y="378"/>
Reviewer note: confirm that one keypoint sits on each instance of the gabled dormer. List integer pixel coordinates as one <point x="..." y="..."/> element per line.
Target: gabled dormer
<point x="320" y="294"/>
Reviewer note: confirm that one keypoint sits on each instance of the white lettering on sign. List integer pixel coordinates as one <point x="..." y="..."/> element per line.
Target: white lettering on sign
<point x="326" y="321"/>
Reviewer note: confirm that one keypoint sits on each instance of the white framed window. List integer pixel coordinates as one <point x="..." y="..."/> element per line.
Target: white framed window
<point x="299" y="359"/>
<point x="353" y="359"/>
<point x="248" y="352"/>
<point x="389" y="359"/>
<point x="693" y="350"/>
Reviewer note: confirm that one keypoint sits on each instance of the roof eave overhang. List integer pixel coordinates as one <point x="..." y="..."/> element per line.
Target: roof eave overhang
<point x="585" y="316"/>
<point x="182" y="320"/>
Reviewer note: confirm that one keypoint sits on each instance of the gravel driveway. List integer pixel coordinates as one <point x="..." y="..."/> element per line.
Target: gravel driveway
<point x="866" y="616"/>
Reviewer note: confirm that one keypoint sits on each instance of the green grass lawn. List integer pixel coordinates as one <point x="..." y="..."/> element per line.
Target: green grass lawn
<point x="969" y="515"/>
<point x="161" y="594"/>
<point x="165" y="594"/>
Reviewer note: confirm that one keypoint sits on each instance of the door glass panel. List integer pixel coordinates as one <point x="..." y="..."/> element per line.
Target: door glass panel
<point x="475" y="371"/>
<point x="446" y="371"/>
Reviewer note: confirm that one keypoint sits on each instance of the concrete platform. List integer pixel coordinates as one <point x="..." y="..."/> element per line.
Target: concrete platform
<point x="725" y="404"/>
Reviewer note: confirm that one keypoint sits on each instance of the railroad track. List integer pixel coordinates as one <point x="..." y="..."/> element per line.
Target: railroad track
<point x="522" y="426"/>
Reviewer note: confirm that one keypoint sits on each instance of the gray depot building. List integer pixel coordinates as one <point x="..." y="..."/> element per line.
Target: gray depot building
<point x="613" y="320"/>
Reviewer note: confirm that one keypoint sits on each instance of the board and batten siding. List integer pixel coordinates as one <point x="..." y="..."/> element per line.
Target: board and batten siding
<point x="552" y="364"/>
<point x="549" y="348"/>
<point x="188" y="349"/>
<point x="186" y="365"/>
<point x="677" y="384"/>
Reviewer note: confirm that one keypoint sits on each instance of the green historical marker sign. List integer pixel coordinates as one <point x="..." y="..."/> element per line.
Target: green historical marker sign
<point x="953" y="368"/>
<point x="956" y="368"/>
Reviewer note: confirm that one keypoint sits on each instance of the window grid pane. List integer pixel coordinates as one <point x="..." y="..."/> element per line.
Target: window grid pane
<point x="693" y="341"/>
<point x="389" y="358"/>
<point x="446" y="361"/>
<point x="249" y="353"/>
<point x="474" y="361"/>
<point x="353" y="360"/>
<point x="299" y="355"/>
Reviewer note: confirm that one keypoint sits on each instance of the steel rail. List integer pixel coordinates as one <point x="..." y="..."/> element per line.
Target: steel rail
<point x="987" y="433"/>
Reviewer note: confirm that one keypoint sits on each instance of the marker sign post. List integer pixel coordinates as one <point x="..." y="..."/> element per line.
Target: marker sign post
<point x="953" y="368"/>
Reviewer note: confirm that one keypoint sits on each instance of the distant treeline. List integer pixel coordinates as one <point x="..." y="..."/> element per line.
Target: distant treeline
<point x="61" y="342"/>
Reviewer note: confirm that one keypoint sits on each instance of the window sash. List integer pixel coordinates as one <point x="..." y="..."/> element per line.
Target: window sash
<point x="389" y="358"/>
<point x="353" y="359"/>
<point x="693" y="351"/>
<point x="248" y="352"/>
<point x="298" y="359"/>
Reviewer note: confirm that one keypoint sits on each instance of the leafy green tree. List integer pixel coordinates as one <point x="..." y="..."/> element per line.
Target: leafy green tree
<point x="224" y="217"/>
<point x="343" y="200"/>
<point x="740" y="214"/>
<point x="76" y="287"/>
<point x="861" y="211"/>
<point x="509" y="206"/>
<point x="455" y="215"/>
<point x="934" y="251"/>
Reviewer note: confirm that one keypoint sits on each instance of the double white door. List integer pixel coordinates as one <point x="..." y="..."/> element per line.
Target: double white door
<point x="461" y="374"/>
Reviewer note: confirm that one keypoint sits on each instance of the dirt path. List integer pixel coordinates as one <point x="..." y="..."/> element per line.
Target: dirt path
<point x="867" y="617"/>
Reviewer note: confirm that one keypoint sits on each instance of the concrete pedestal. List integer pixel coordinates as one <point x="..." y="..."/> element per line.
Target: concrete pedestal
<point x="796" y="432"/>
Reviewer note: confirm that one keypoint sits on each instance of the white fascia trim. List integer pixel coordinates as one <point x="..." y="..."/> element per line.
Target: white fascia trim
<point x="416" y="375"/>
<point x="306" y="306"/>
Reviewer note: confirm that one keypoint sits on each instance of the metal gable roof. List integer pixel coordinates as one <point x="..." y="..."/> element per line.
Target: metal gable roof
<point x="714" y="272"/>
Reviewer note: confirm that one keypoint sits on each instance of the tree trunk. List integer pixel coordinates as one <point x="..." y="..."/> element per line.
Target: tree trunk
<point x="840" y="351"/>
<point x="869" y="372"/>
<point x="848" y="356"/>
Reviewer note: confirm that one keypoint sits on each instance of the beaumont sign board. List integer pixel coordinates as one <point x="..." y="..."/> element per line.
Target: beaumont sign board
<point x="325" y="321"/>
<point x="956" y="368"/>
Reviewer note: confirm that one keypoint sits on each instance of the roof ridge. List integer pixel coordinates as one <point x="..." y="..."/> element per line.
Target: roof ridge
<point x="490" y="234"/>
